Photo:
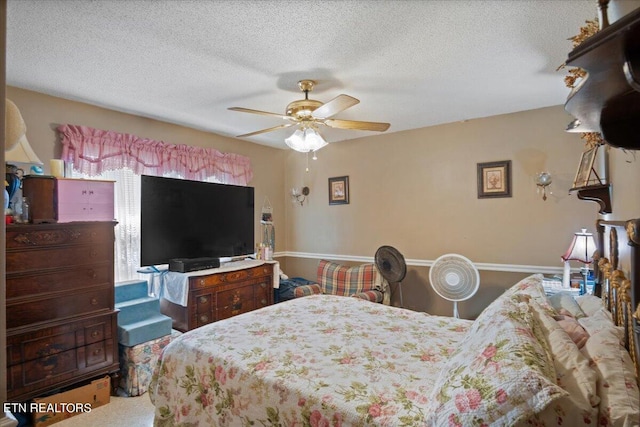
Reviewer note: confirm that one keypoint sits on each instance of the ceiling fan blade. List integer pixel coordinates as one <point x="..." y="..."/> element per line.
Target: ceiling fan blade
<point x="357" y="125"/>
<point x="264" y="113"/>
<point x="333" y="107"/>
<point x="266" y="130"/>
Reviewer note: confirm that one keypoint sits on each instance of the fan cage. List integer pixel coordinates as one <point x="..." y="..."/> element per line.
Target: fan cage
<point x="391" y="264"/>
<point x="454" y="277"/>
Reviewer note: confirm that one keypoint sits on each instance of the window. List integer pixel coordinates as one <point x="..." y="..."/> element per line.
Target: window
<point x="123" y="158"/>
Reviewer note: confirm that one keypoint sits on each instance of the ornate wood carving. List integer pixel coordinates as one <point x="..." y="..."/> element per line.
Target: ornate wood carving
<point x="601" y="194"/>
<point x="608" y="101"/>
<point x="613" y="248"/>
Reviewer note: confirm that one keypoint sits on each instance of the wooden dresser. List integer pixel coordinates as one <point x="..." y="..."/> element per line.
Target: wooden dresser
<point x="61" y="322"/>
<point x="221" y="295"/>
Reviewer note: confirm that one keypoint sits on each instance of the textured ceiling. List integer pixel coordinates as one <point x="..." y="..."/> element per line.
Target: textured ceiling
<point x="410" y="63"/>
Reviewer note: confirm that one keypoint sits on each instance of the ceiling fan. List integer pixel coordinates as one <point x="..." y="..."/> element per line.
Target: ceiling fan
<point x="308" y="114"/>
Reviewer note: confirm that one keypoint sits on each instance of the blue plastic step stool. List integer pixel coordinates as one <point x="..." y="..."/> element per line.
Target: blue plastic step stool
<point x="139" y="319"/>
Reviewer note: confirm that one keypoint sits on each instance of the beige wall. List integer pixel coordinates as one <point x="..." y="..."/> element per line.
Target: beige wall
<point x="416" y="190"/>
<point x="625" y="176"/>
<point x="43" y="114"/>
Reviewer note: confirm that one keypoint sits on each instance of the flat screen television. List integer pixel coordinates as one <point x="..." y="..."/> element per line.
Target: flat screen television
<point x="191" y="219"/>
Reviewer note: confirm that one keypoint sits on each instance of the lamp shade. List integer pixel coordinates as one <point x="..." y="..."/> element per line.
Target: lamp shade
<point x="582" y="248"/>
<point x="305" y="140"/>
<point x="14" y="127"/>
<point x="17" y="148"/>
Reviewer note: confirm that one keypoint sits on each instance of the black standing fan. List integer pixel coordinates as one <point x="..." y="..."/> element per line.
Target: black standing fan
<point x="391" y="265"/>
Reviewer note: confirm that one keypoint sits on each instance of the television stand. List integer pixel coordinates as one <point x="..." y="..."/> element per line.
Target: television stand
<point x="198" y="298"/>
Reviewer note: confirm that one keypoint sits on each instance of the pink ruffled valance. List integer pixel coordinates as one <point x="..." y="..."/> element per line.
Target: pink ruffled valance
<point x="93" y="151"/>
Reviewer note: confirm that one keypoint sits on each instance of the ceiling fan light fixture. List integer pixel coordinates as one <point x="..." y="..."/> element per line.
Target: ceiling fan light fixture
<point x="314" y="140"/>
<point x="305" y="140"/>
<point x="296" y="141"/>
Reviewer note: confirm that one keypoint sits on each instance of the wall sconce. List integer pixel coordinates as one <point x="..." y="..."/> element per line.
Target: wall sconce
<point x="543" y="180"/>
<point x="299" y="195"/>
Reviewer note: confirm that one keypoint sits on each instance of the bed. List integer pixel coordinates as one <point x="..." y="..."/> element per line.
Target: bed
<point x="325" y="360"/>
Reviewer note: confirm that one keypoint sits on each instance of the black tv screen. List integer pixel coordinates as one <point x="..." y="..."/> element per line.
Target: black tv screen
<point x="192" y="219"/>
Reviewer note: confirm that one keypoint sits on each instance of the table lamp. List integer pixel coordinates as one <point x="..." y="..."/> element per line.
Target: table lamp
<point x="17" y="149"/>
<point x="581" y="249"/>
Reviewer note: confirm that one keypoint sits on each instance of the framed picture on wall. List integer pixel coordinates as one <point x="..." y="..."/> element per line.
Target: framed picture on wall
<point x="339" y="190"/>
<point x="494" y="179"/>
<point x="585" y="167"/>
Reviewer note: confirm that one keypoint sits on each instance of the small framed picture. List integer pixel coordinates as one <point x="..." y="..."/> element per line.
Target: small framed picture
<point x="339" y="190"/>
<point x="584" y="168"/>
<point x="494" y="179"/>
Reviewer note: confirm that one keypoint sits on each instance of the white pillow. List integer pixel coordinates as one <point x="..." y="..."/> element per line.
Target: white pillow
<point x="566" y="301"/>
<point x="617" y="386"/>
<point x="589" y="303"/>
<point x="573" y="373"/>
<point x="601" y="320"/>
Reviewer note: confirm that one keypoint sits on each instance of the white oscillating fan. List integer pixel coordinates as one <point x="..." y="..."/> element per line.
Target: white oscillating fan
<point x="454" y="278"/>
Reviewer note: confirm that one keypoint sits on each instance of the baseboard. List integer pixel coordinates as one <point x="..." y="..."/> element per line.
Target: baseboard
<point x="8" y="421"/>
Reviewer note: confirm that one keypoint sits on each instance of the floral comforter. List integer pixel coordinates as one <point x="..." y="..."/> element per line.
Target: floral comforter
<point x="316" y="361"/>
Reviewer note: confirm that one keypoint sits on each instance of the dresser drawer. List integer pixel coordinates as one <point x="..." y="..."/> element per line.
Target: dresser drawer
<point x="263" y="294"/>
<point x="25" y="261"/>
<point x="62" y="280"/>
<point x="52" y="340"/>
<point x="27" y="312"/>
<point x="205" y="302"/>
<point x="97" y="332"/>
<point x="47" y="371"/>
<point x="85" y="212"/>
<point x="230" y="277"/>
<point x="235" y="301"/>
<point x="97" y="353"/>
<point x="49" y="367"/>
<point x="47" y="235"/>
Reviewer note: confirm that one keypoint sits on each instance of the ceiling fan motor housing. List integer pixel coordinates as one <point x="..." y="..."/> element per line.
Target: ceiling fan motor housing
<point x="302" y="108"/>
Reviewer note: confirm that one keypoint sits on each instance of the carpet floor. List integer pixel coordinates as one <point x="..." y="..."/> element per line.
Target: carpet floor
<point x="120" y="411"/>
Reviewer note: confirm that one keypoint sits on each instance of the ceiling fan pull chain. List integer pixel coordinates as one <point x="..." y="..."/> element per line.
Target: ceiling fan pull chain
<point x="307" y="168"/>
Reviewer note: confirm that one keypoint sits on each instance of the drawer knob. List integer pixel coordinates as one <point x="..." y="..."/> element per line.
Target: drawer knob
<point x="97" y="351"/>
<point x="92" y="274"/>
<point x="203" y="300"/>
<point x="263" y="285"/>
<point x="95" y="334"/>
<point x="94" y="301"/>
<point x="263" y="301"/>
<point x="204" y="318"/>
